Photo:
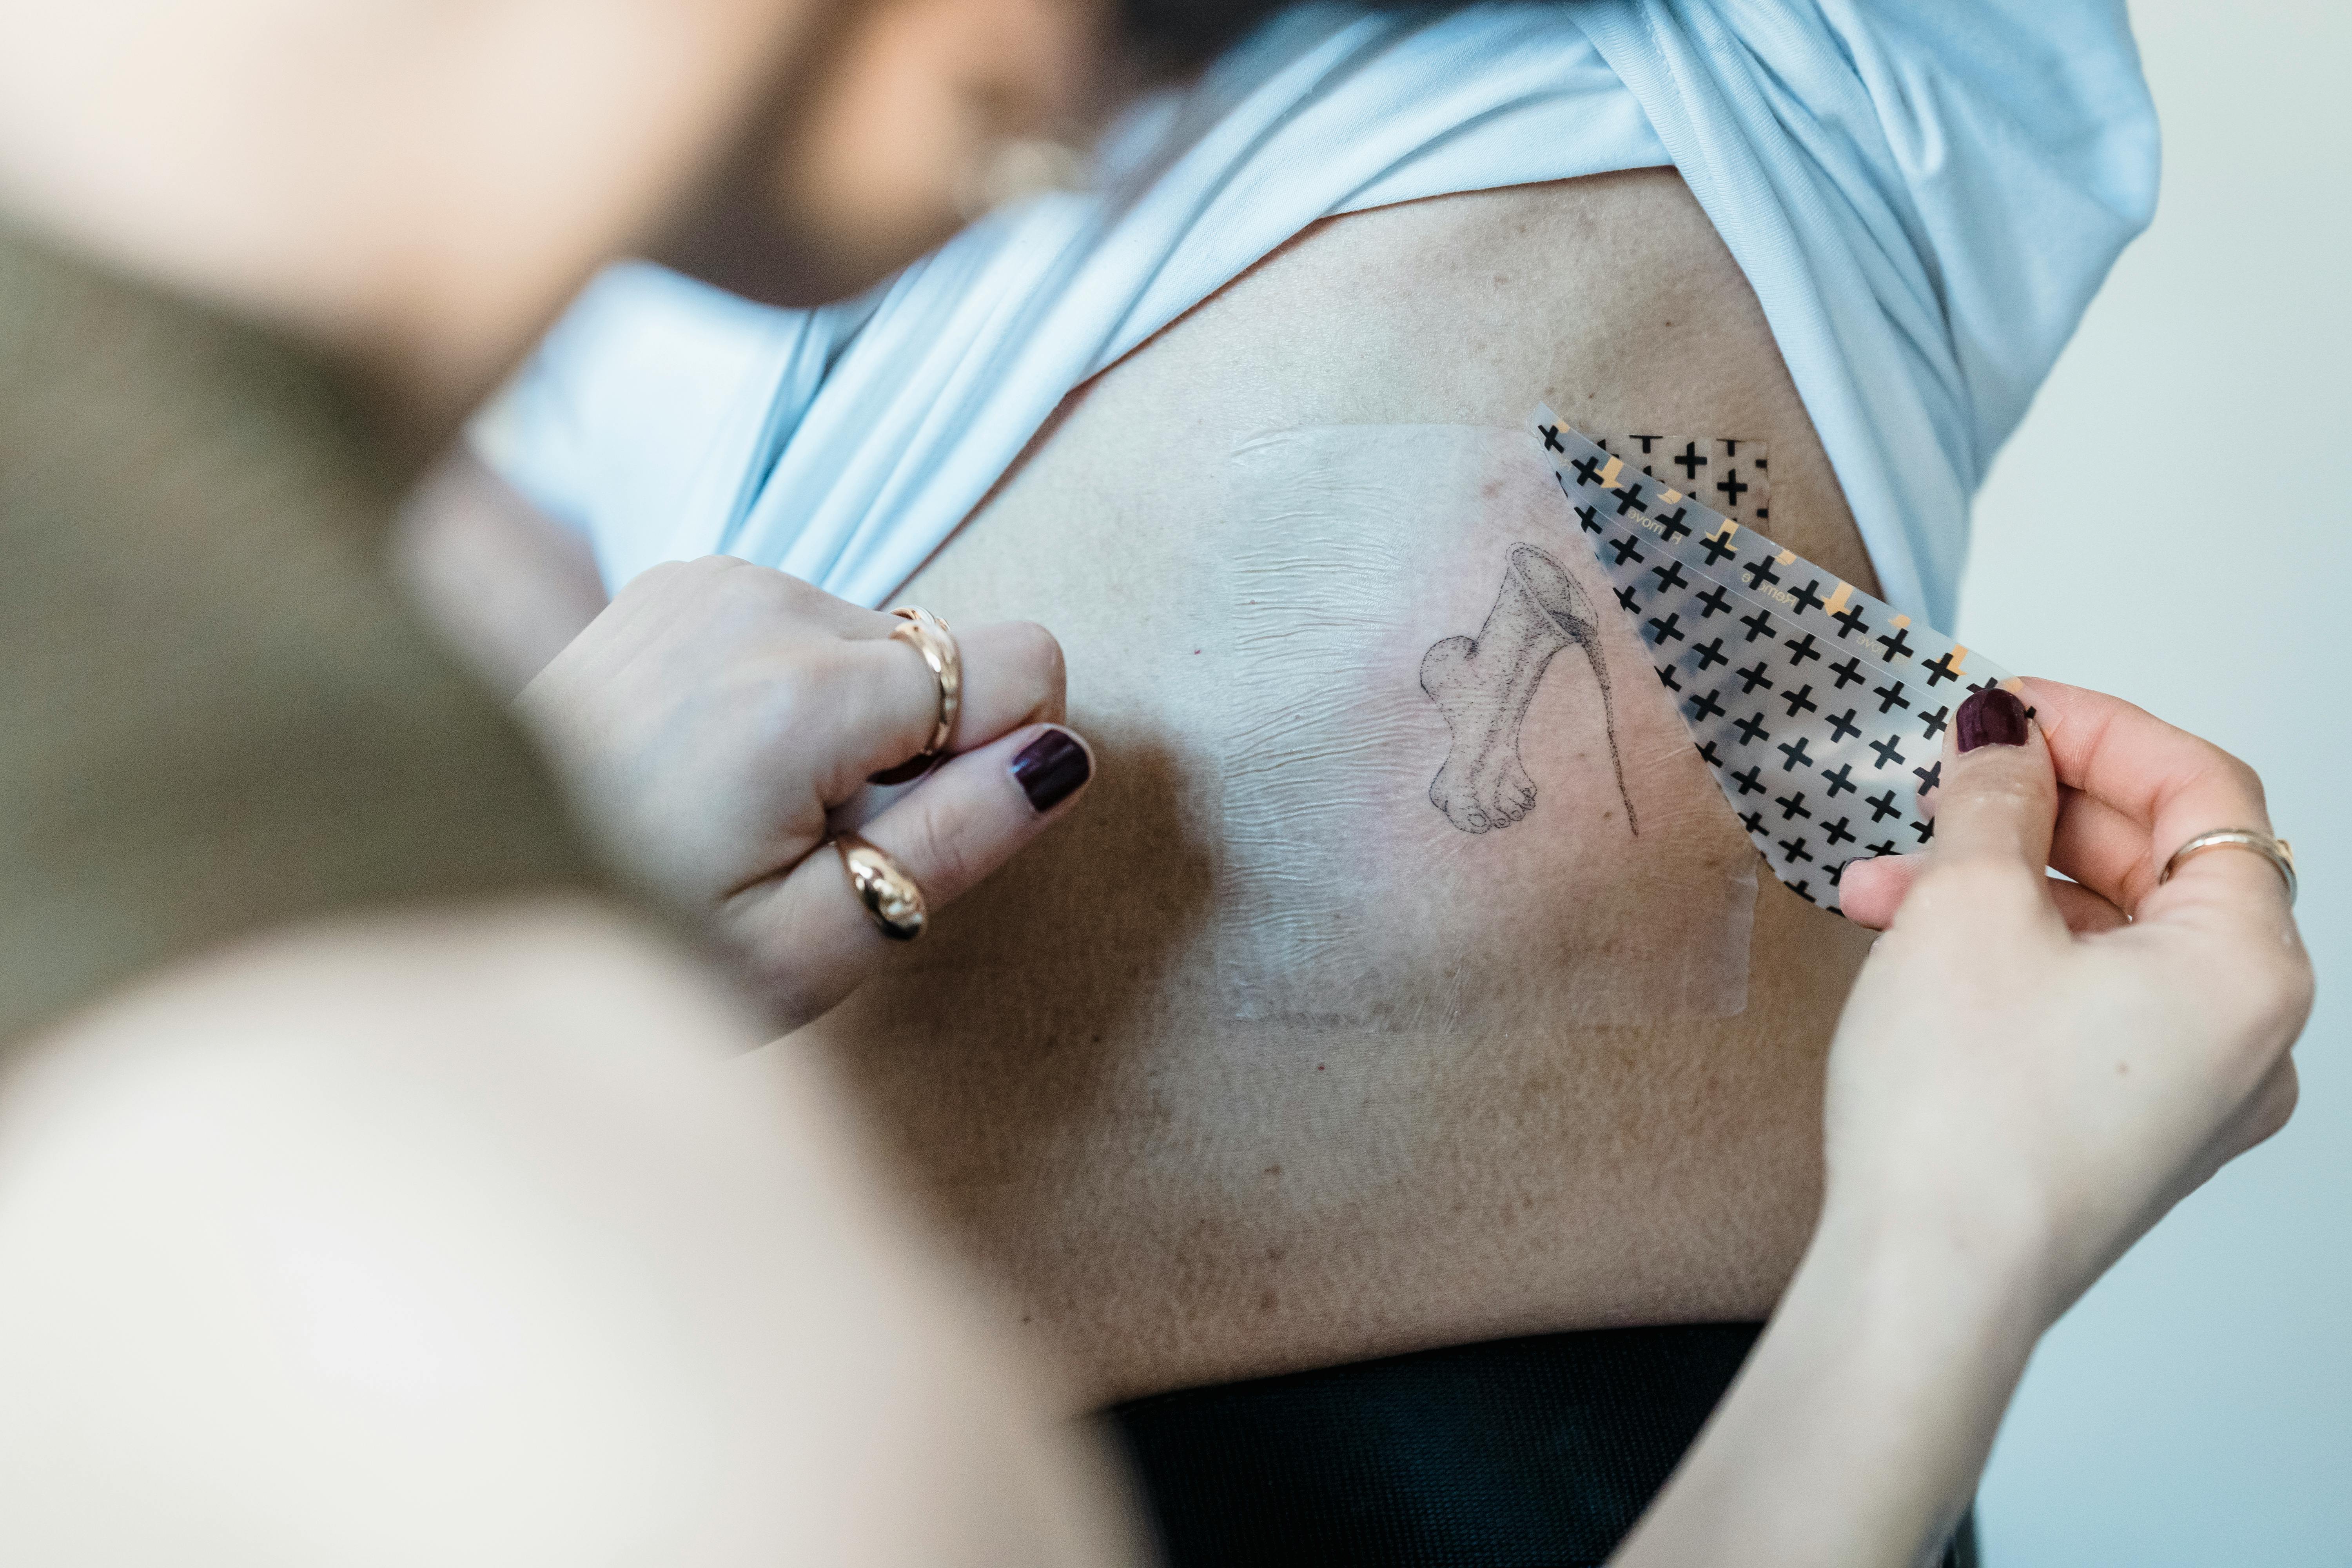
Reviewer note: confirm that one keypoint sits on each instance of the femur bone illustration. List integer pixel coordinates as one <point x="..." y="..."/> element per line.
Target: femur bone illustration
<point x="1483" y="684"/>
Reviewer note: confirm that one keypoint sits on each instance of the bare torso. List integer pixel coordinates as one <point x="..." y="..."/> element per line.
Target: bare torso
<point x="1265" y="1060"/>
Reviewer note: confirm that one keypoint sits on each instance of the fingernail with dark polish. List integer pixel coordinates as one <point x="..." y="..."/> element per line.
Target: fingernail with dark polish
<point x="1991" y="717"/>
<point x="1050" y="769"/>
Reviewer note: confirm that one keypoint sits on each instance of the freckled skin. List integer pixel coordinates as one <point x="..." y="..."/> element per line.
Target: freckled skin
<point x="1172" y="1197"/>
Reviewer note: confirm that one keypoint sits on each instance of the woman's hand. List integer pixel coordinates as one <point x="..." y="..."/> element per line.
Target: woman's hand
<point x="2020" y="1067"/>
<point x="717" y="713"/>
<point x="2023" y="1083"/>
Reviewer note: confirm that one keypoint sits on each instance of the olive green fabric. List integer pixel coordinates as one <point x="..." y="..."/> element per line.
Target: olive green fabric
<point x="216" y="716"/>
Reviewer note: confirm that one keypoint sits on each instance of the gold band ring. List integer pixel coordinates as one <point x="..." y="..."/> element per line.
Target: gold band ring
<point x="892" y="900"/>
<point x="929" y="635"/>
<point x="2277" y="852"/>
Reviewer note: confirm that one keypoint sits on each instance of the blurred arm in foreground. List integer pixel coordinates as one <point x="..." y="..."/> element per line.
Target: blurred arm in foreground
<point x="370" y="1187"/>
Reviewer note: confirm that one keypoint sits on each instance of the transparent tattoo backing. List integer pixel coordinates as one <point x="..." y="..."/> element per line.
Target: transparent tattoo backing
<point x="1820" y="710"/>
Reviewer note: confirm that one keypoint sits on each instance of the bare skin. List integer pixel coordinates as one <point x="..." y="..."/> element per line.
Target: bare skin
<point x="1177" y="1196"/>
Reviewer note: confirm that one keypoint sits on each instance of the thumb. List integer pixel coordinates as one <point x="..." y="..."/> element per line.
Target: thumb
<point x="1997" y="794"/>
<point x="810" y="940"/>
<point x="1996" y="804"/>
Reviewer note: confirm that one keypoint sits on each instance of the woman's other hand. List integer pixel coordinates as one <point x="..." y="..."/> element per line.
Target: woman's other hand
<point x="2023" y="1083"/>
<point x="717" y="713"/>
<point x="2023" y="1072"/>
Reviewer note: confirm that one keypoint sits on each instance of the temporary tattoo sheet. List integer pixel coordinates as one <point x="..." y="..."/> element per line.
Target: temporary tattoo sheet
<point x="1820" y="709"/>
<point x="1735" y="478"/>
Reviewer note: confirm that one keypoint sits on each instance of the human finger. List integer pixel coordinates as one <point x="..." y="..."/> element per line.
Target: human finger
<point x="887" y="707"/>
<point x="2102" y="848"/>
<point x="1871" y="893"/>
<point x="2151" y="772"/>
<point x="1998" y="799"/>
<point x="810" y="940"/>
<point x="1870" y="889"/>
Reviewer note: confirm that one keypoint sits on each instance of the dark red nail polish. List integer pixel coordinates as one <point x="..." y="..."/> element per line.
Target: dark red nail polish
<point x="1992" y="717"/>
<point x="1050" y="769"/>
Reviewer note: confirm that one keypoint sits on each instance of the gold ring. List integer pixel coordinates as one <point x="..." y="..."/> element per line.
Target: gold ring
<point x="2277" y="852"/>
<point x="892" y="900"/>
<point x="929" y="635"/>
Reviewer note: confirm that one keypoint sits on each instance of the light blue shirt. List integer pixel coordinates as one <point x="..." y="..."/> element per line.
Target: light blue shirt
<point x="1924" y="198"/>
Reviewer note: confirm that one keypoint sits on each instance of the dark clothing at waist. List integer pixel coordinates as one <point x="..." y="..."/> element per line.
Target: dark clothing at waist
<point x="1529" y="1453"/>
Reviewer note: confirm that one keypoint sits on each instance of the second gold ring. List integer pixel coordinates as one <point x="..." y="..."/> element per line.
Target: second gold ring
<point x="929" y="635"/>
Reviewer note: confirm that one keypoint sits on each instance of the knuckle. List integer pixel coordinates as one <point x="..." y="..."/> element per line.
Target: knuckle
<point x="1037" y="654"/>
<point x="2281" y="985"/>
<point x="2013" y="785"/>
<point x="2283" y="1093"/>
<point x="947" y="845"/>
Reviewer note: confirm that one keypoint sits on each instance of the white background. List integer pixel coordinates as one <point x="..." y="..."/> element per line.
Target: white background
<point x="2196" y="1408"/>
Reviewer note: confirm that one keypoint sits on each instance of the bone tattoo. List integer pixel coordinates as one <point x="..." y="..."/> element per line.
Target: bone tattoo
<point x="1483" y="684"/>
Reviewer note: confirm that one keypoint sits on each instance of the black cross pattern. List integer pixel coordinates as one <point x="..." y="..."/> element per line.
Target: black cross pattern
<point x="1930" y="778"/>
<point x="1687" y="570"/>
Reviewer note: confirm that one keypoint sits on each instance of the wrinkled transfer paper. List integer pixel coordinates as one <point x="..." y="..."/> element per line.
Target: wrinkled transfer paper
<point x="1821" y="710"/>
